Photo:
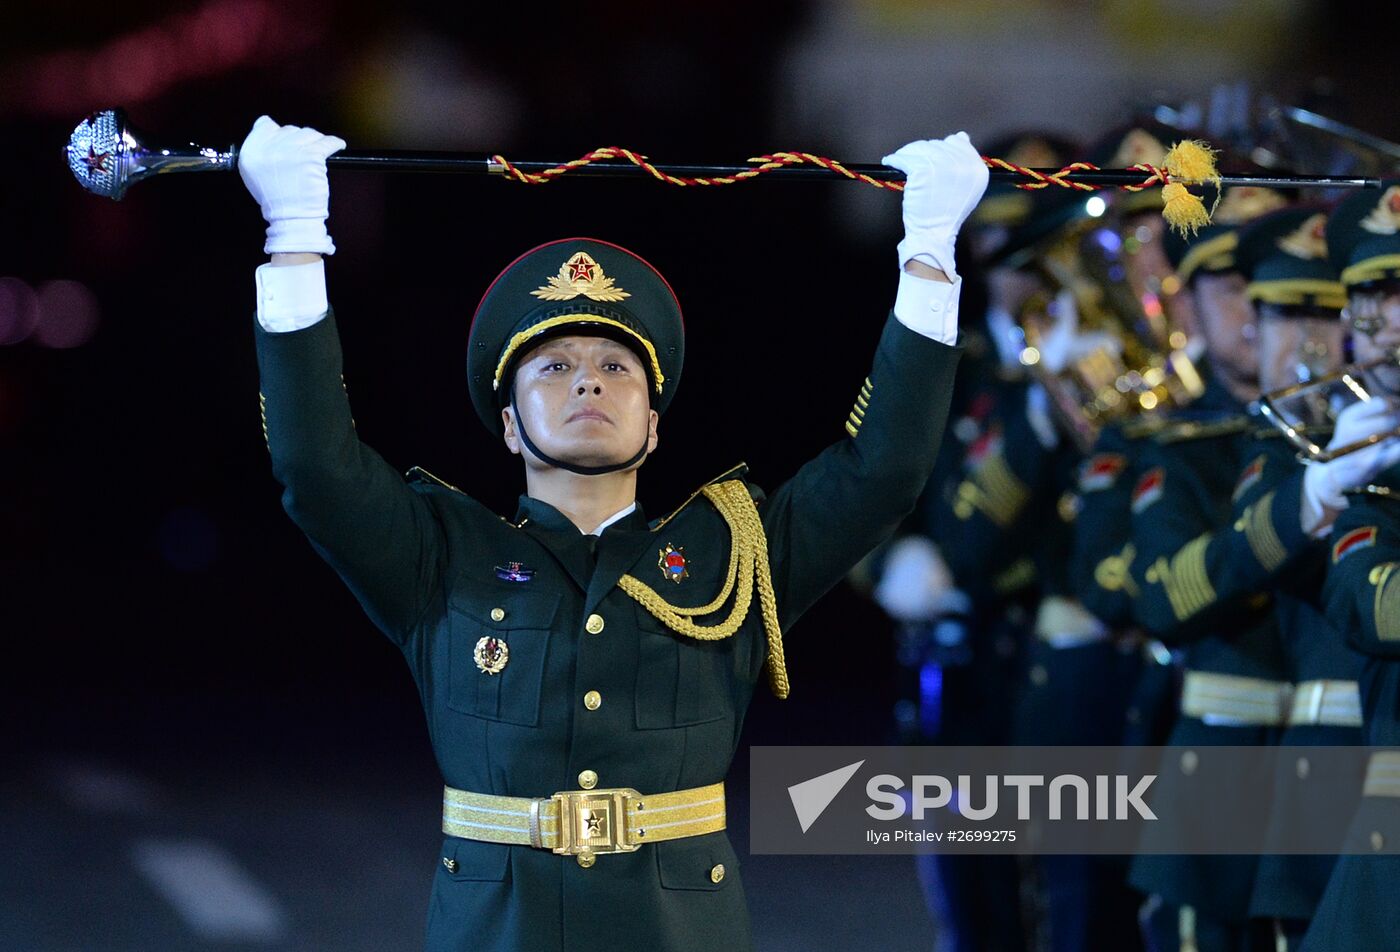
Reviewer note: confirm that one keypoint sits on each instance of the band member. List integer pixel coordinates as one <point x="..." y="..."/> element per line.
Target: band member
<point x="585" y="671"/>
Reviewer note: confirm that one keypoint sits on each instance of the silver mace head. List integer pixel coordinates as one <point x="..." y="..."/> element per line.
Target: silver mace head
<point x="108" y="157"/>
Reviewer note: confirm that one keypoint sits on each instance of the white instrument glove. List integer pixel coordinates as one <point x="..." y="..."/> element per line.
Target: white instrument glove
<point x="916" y="584"/>
<point x="944" y="181"/>
<point x="284" y="167"/>
<point x="1324" y="483"/>
<point x="1063" y="344"/>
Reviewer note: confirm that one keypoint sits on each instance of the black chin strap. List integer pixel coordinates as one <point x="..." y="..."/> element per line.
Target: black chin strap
<point x="559" y="463"/>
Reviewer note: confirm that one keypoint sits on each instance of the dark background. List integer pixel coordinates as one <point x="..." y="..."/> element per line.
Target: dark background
<point x="177" y="661"/>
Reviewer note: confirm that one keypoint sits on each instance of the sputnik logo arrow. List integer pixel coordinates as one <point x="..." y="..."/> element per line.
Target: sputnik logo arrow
<point x="811" y="797"/>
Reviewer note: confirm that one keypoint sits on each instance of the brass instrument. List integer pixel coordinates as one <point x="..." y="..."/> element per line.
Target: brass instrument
<point x="1304" y="412"/>
<point x="1148" y="371"/>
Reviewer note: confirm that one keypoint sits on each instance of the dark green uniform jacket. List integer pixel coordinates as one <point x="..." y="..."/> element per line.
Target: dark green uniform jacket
<point x="1359" y="911"/>
<point x="422" y="560"/>
<point x="1206" y="551"/>
<point x="1289" y="886"/>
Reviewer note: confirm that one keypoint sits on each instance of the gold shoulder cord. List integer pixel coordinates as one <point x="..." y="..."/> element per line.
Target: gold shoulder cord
<point x="748" y="559"/>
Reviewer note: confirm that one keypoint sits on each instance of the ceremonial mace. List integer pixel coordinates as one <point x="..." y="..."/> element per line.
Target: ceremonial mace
<point x="108" y="156"/>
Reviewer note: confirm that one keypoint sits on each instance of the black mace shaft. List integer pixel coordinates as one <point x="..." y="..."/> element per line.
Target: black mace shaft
<point x="107" y="157"/>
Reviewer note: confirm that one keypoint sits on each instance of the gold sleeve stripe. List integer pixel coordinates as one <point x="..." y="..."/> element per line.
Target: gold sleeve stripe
<point x="857" y="415"/>
<point x="262" y="412"/>
<point x="995" y="489"/>
<point x="1184" y="578"/>
<point x="1259" y="532"/>
<point x="1387" y="604"/>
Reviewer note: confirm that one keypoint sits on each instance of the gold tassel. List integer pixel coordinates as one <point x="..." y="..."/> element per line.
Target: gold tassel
<point x="1190" y="161"/>
<point x="1184" y="212"/>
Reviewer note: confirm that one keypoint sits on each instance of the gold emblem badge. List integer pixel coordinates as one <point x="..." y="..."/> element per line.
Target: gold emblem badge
<point x="1385" y="217"/>
<point x="491" y="654"/>
<point x="672" y="563"/>
<point x="580" y="275"/>
<point x="1309" y="242"/>
<point x="1139" y="147"/>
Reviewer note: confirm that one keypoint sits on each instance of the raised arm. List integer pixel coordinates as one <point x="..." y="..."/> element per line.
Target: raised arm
<point x="382" y="537"/>
<point x="853" y="495"/>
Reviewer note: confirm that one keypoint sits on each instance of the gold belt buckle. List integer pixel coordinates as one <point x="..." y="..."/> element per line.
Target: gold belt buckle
<point x="595" y="821"/>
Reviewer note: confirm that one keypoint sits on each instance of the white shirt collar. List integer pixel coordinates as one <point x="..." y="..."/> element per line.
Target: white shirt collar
<point x="614" y="517"/>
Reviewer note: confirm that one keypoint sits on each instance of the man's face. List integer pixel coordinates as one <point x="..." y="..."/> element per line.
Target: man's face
<point x="1374" y="320"/>
<point x="1296" y="349"/>
<point x="583" y="400"/>
<point x="1227" y="324"/>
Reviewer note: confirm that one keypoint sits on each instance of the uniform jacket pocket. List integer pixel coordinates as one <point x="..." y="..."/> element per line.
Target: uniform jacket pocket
<point x="681" y="681"/>
<point x="706" y="863"/>
<point x="523" y="624"/>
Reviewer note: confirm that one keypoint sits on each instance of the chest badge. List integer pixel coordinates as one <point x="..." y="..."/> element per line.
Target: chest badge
<point x="672" y="563"/>
<point x="514" y="572"/>
<point x="491" y="654"/>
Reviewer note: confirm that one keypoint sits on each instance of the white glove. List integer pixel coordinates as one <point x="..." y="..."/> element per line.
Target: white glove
<point x="944" y="181"/>
<point x="1063" y="344"/>
<point x="1324" y="483"/>
<point x="284" y="167"/>
<point x="1038" y="416"/>
<point x="916" y="584"/>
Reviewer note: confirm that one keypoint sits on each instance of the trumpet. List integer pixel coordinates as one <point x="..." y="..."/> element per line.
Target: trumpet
<point x="1304" y="412"/>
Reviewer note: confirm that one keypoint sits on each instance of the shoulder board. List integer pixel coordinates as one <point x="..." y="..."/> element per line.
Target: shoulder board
<point x="734" y="472"/>
<point x="1186" y="430"/>
<point x="418" y="474"/>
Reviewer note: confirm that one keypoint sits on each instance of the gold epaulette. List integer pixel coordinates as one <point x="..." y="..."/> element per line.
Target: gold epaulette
<point x="1185" y="430"/>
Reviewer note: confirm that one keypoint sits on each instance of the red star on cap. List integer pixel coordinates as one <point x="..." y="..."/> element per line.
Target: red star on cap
<point x="581" y="270"/>
<point x="96" y="162"/>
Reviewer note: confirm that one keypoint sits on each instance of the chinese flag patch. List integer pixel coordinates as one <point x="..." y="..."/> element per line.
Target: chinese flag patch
<point x="1362" y="538"/>
<point x="1148" y="489"/>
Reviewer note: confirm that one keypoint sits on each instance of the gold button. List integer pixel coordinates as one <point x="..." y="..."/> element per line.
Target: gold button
<point x="1189" y="760"/>
<point x="1377" y="841"/>
<point x="449" y="864"/>
<point x="1303" y="768"/>
<point x="588" y="780"/>
<point x="594" y="625"/>
<point x="586" y="859"/>
<point x="717" y="873"/>
<point x="592" y="699"/>
<point x="497" y="614"/>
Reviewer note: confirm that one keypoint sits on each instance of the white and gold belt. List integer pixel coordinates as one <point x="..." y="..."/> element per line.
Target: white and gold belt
<point x="584" y="823"/>
<point x="1227" y="699"/>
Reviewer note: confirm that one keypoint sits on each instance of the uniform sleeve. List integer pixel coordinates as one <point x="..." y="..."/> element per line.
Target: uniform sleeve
<point x="1362" y="591"/>
<point x="855" y="493"/>
<point x="1191" y="568"/>
<point x="382" y="538"/>
<point x="985" y="515"/>
<point x="1103" y="552"/>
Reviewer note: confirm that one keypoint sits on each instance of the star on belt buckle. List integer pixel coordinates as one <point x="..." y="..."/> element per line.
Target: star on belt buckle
<point x="595" y="821"/>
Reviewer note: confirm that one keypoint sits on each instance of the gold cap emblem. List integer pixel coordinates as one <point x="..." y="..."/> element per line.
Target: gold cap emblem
<point x="1245" y="203"/>
<point x="1139" y="147"/>
<point x="1385" y="217"/>
<point x="1309" y="241"/>
<point x="580" y="275"/>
